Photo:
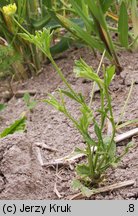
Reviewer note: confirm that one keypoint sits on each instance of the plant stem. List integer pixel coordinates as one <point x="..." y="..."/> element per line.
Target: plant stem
<point x="102" y="108"/>
<point x="62" y="76"/>
<point x="90" y="161"/>
<point x="92" y="92"/>
<point x="21" y="27"/>
<point x="87" y="138"/>
<point x="111" y="117"/>
<point x="72" y="119"/>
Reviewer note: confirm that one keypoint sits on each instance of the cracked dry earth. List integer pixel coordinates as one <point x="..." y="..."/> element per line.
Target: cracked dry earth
<point x="21" y="175"/>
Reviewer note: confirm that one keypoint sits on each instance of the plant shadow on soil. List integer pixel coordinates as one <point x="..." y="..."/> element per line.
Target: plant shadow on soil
<point x="21" y="176"/>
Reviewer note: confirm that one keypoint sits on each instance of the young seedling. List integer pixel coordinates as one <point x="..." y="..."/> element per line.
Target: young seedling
<point x="2" y="106"/>
<point x="30" y="103"/>
<point x="16" y="126"/>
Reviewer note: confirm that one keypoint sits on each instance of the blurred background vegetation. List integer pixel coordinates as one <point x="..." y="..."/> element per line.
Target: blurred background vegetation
<point x="109" y="25"/>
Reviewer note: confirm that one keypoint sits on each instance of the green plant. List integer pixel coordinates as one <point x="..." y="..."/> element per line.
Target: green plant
<point x="125" y="21"/>
<point x="93" y="30"/>
<point x="16" y="126"/>
<point x="2" y="106"/>
<point x="88" y="22"/>
<point x="8" y="32"/>
<point x="30" y="103"/>
<point x="32" y="15"/>
<point x="133" y="16"/>
<point x="94" y="23"/>
<point x="8" y="60"/>
<point x="101" y="151"/>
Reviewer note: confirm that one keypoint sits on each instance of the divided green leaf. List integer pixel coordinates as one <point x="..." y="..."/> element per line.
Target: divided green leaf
<point x="81" y="69"/>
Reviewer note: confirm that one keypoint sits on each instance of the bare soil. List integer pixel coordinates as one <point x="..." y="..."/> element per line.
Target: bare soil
<point x="21" y="175"/>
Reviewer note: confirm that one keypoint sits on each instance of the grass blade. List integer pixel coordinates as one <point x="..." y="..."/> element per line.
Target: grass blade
<point x="123" y="25"/>
<point x="79" y="32"/>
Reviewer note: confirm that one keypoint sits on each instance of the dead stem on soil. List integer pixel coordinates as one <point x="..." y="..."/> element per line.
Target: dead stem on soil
<point x="39" y="157"/>
<point x="104" y="189"/>
<point x="44" y="146"/>
<point x="126" y="135"/>
<point x="55" y="185"/>
<point x="7" y="95"/>
<point x="71" y="159"/>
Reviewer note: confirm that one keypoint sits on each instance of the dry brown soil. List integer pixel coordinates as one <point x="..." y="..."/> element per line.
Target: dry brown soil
<point x="21" y="175"/>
